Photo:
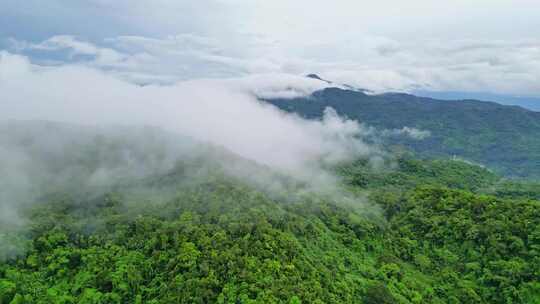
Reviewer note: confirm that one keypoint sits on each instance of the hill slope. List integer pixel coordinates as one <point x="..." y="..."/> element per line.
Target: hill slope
<point x="413" y="232"/>
<point x="531" y="103"/>
<point x="504" y="138"/>
<point x="218" y="240"/>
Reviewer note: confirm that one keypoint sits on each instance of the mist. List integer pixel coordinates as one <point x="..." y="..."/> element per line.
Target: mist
<point x="73" y="127"/>
<point x="222" y="112"/>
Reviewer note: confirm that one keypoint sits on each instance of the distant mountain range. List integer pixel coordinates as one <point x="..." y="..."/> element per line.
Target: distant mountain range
<point x="531" y="103"/>
<point x="502" y="137"/>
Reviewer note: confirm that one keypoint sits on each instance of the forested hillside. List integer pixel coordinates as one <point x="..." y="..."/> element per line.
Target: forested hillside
<point x="504" y="138"/>
<point x="413" y="231"/>
<point x="177" y="152"/>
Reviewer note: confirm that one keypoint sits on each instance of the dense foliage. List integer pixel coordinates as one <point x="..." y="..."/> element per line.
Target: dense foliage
<point x="505" y="138"/>
<point x="514" y="189"/>
<point x="435" y="239"/>
<point x="410" y="173"/>
<point x="480" y="249"/>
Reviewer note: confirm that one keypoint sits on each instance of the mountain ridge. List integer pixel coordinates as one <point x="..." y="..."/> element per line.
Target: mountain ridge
<point x="503" y="137"/>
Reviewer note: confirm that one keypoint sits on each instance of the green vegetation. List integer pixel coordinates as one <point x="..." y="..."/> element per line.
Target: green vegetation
<point x="504" y="138"/>
<point x="410" y="173"/>
<point x="516" y="189"/>
<point x="214" y="239"/>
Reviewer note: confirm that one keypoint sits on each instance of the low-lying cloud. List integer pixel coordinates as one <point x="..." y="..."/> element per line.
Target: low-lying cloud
<point x="221" y="113"/>
<point x="412" y="133"/>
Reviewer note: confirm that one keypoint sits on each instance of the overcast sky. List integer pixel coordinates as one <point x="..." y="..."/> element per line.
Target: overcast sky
<point x="480" y="45"/>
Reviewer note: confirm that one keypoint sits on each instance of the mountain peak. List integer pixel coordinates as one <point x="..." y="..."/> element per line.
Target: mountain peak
<point x="341" y="86"/>
<point x="315" y="76"/>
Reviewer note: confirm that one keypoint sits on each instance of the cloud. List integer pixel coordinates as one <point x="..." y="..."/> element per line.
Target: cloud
<point x="101" y="56"/>
<point x="65" y="41"/>
<point x="408" y="132"/>
<point x="280" y="19"/>
<point x="371" y="62"/>
<point x="222" y="112"/>
<point x="383" y="45"/>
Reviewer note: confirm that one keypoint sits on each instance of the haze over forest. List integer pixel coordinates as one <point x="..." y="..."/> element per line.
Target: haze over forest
<point x="234" y="151"/>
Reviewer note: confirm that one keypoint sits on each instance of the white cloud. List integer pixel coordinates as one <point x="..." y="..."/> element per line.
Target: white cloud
<point x="102" y="56"/>
<point x="372" y="62"/>
<point x="64" y="41"/>
<point x="382" y="45"/>
<point x="413" y="133"/>
<point x="223" y="112"/>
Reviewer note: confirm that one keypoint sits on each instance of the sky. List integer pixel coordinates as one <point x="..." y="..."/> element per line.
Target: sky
<point x="460" y="45"/>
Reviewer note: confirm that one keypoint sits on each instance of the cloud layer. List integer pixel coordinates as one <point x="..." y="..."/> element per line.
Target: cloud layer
<point x="370" y="62"/>
<point x="225" y="114"/>
<point x="222" y="112"/>
<point x="487" y="46"/>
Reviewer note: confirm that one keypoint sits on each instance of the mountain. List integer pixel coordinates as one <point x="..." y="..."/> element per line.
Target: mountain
<point x="317" y="77"/>
<point x="531" y="103"/>
<point x="415" y="231"/>
<point x="504" y="138"/>
<point x="343" y="85"/>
